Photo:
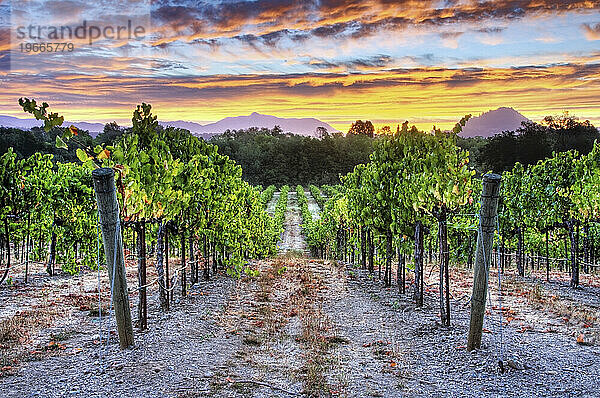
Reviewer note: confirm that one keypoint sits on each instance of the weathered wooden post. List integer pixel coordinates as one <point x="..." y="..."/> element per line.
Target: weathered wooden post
<point x="108" y="210"/>
<point x="419" y="280"/>
<point x="143" y="300"/>
<point x="547" y="257"/>
<point x="183" y="275"/>
<point x="167" y="277"/>
<point x="483" y="256"/>
<point x="388" y="258"/>
<point x="28" y="245"/>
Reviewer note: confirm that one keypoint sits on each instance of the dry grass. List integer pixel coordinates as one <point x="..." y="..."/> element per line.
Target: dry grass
<point x="84" y="302"/>
<point x="271" y="316"/>
<point x="539" y="298"/>
<point x="285" y="289"/>
<point x="19" y="328"/>
<point x="292" y="255"/>
<point x="16" y="334"/>
<point x="318" y="336"/>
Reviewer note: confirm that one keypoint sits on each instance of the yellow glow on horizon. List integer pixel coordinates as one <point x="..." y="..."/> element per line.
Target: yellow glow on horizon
<point x="424" y="97"/>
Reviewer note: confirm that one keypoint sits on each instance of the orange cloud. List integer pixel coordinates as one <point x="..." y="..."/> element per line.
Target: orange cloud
<point x="425" y="95"/>
<point x="268" y="21"/>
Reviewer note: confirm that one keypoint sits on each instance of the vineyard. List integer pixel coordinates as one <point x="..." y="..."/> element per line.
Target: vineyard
<point x="357" y="289"/>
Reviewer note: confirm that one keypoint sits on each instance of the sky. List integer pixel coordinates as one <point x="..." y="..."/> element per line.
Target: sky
<point x="429" y="62"/>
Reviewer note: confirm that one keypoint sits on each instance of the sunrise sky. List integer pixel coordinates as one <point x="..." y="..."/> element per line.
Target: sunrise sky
<point x="429" y="62"/>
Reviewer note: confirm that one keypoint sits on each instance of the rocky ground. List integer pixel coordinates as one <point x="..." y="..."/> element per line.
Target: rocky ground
<point x="292" y="239"/>
<point x="302" y="328"/>
<point x="273" y="203"/>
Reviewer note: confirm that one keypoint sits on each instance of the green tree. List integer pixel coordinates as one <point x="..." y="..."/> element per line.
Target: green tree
<point x="362" y="128"/>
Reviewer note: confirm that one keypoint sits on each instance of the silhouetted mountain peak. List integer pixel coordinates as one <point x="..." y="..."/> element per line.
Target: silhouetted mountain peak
<point x="493" y="122"/>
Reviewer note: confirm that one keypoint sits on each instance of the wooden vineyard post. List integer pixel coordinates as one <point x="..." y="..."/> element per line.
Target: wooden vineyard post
<point x="444" y="260"/>
<point x="401" y="272"/>
<point x="27" y="244"/>
<point x="167" y="280"/>
<point x="483" y="257"/>
<point x="193" y="263"/>
<point x="160" y="270"/>
<point x="418" y="292"/>
<point x="143" y="300"/>
<point x="371" y="251"/>
<point x="388" y="258"/>
<point x="547" y="258"/>
<point x="363" y="248"/>
<point x="183" y="276"/>
<point x="108" y="210"/>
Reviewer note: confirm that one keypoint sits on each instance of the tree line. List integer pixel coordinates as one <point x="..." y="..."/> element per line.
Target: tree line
<point x="272" y="157"/>
<point x="531" y="142"/>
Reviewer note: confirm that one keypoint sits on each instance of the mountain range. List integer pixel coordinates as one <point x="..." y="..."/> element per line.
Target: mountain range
<point x="26" y="124"/>
<point x="485" y="125"/>
<point x="302" y="126"/>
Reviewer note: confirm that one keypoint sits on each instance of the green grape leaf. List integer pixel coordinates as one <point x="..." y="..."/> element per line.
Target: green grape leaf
<point x="60" y="143"/>
<point x="81" y="155"/>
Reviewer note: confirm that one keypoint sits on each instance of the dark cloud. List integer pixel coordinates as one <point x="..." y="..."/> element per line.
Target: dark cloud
<point x="333" y="30"/>
<point x="322" y="64"/>
<point x="495" y="30"/>
<point x="374" y="62"/>
<point x="272" y="39"/>
<point x="274" y="20"/>
<point x="179" y="18"/>
<point x="166" y="66"/>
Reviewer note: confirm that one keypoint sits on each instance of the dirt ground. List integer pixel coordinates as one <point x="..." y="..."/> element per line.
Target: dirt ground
<point x="303" y="327"/>
<point x="273" y="203"/>
<point x="292" y="239"/>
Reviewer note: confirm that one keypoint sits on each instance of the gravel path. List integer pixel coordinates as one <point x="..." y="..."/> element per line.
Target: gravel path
<point x="273" y="203"/>
<point x="292" y="239"/>
<point x="313" y="207"/>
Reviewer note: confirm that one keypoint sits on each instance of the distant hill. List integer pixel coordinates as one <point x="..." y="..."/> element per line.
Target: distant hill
<point x="26" y="124"/>
<point x="489" y="123"/>
<point x="304" y="126"/>
<point x="193" y="127"/>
